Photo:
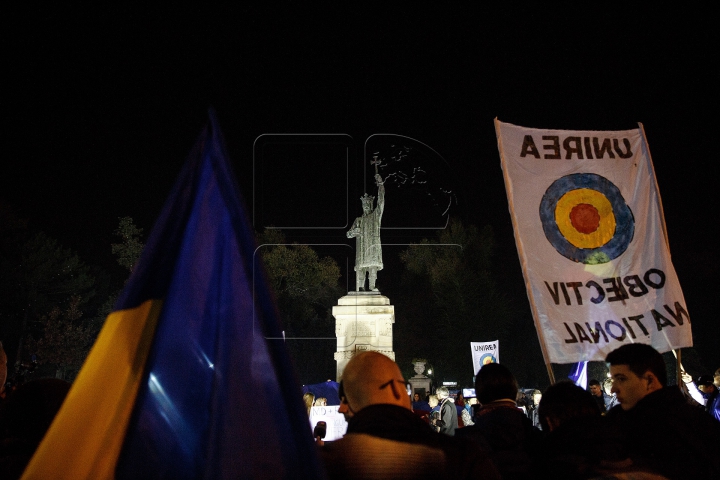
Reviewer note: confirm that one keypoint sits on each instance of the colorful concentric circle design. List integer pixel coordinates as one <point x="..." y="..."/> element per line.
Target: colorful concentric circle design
<point x="585" y="217"/>
<point x="487" y="358"/>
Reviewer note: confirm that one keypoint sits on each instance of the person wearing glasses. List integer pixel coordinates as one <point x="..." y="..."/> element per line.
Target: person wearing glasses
<point x="385" y="439"/>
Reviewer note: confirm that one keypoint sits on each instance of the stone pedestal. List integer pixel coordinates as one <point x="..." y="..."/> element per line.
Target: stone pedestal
<point x="420" y="383"/>
<point x="363" y="321"/>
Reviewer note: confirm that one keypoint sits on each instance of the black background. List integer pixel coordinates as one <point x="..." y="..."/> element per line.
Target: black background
<point x="101" y="105"/>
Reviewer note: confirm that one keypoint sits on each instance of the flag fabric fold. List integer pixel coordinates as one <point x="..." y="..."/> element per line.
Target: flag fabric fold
<point x="188" y="377"/>
<point x="579" y="374"/>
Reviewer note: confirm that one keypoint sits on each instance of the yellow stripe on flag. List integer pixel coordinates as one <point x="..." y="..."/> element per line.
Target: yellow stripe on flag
<point x="85" y="439"/>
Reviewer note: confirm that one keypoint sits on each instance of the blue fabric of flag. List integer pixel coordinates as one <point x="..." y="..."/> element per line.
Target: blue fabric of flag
<point x="219" y="397"/>
<point x="579" y="374"/>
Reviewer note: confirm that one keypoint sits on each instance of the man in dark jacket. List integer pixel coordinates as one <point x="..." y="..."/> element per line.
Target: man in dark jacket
<point x="448" y="412"/>
<point x="603" y="400"/>
<point x="385" y="439"/>
<point x="579" y="442"/>
<point x="662" y="431"/>
<point x="501" y="424"/>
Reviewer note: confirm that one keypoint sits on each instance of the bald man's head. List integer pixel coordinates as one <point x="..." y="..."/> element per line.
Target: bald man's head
<point x="371" y="378"/>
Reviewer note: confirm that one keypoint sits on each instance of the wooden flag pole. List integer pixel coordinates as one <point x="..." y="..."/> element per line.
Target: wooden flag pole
<point x="550" y="373"/>
<point x="678" y="367"/>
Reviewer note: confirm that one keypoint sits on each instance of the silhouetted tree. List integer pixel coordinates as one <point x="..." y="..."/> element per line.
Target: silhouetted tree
<point x="65" y="340"/>
<point x="450" y="299"/>
<point x="306" y="287"/>
<point x="129" y="250"/>
<point x="48" y="277"/>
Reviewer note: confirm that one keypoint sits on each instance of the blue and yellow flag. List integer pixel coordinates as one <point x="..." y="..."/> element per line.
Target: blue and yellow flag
<point x="187" y="379"/>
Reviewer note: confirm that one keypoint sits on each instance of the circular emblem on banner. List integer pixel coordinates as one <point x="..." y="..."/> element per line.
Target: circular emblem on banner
<point x="585" y="217"/>
<point x="487" y="358"/>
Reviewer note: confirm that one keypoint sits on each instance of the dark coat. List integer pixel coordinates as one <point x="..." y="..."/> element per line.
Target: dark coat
<point x="581" y="448"/>
<point x="449" y="416"/>
<point x="510" y="435"/>
<point x="387" y="441"/>
<point x="664" y="433"/>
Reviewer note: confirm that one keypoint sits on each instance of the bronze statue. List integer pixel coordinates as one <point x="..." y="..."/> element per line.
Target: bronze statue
<point x="368" y="252"/>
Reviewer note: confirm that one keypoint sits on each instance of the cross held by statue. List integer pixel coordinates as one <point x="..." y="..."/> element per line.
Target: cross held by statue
<point x="375" y="162"/>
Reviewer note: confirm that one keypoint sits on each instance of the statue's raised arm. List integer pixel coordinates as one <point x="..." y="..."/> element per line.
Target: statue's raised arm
<point x="381" y="193"/>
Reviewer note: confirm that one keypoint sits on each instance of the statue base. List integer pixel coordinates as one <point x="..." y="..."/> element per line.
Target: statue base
<point x="363" y="322"/>
<point x="422" y="385"/>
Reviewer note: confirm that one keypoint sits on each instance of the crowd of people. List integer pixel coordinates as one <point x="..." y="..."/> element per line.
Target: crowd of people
<point x="634" y="426"/>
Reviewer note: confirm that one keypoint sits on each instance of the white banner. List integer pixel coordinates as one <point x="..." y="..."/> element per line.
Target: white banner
<point x="336" y="424"/>
<point x="591" y="238"/>
<point x="484" y="353"/>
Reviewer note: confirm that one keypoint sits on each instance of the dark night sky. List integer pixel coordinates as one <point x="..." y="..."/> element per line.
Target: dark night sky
<point x="100" y="107"/>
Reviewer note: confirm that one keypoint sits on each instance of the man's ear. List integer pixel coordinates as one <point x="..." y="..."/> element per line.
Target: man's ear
<point x="653" y="382"/>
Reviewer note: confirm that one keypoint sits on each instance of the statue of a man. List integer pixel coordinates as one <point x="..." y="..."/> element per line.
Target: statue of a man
<point x="368" y="252"/>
